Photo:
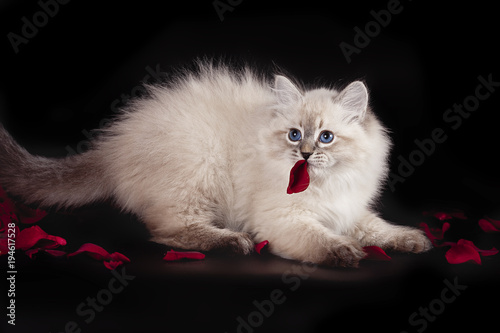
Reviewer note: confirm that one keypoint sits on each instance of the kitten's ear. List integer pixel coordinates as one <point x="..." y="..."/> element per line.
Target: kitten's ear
<point x="354" y="100"/>
<point x="286" y="92"/>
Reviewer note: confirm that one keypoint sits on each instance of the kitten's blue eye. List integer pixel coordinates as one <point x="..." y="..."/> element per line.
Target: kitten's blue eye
<point x="326" y="137"/>
<point x="294" y="135"/>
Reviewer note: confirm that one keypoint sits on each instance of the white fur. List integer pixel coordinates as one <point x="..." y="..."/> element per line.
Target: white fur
<point x="207" y="149"/>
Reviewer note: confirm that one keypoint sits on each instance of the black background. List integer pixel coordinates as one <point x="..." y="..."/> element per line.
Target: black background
<point x="63" y="82"/>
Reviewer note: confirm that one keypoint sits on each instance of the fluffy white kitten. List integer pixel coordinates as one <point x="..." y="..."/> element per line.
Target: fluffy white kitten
<point x="205" y="162"/>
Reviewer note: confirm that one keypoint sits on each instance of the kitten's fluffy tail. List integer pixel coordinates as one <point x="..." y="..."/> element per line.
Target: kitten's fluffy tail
<point x="65" y="182"/>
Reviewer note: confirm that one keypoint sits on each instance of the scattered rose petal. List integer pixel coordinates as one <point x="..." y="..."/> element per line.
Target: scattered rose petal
<point x="24" y="213"/>
<point x="31" y="252"/>
<point x="10" y="212"/>
<point x="442" y="216"/>
<point x="177" y="255"/>
<point x="112" y="264"/>
<point x="6" y="211"/>
<point x="446" y="215"/>
<point x="30" y="237"/>
<point x="5" y="219"/>
<point x="435" y="234"/>
<point x="111" y="261"/>
<point x="483" y="253"/>
<point x="487" y="253"/>
<point x="95" y="251"/>
<point x="55" y="253"/>
<point x="460" y="253"/>
<point x="465" y="250"/>
<point x="496" y="223"/>
<point x="117" y="256"/>
<point x="260" y="246"/>
<point x="375" y="253"/>
<point x="487" y="226"/>
<point x="28" y="215"/>
<point x="299" y="178"/>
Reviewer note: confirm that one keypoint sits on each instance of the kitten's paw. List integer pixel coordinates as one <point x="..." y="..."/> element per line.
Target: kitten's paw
<point x="201" y="237"/>
<point x="346" y="254"/>
<point x="236" y="242"/>
<point x="410" y="240"/>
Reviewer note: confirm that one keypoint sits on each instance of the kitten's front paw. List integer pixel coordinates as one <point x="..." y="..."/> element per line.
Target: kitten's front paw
<point x="410" y="240"/>
<point x="344" y="255"/>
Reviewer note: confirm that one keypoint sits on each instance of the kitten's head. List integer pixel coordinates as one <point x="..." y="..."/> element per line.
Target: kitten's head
<point x="329" y="129"/>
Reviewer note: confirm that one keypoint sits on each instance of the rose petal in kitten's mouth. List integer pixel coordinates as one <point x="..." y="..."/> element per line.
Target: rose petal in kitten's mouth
<point x="299" y="178"/>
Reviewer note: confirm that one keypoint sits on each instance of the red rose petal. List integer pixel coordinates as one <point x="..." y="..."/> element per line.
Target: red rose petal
<point x="442" y="216"/>
<point x="299" y="178"/>
<point x="487" y="226"/>
<point x="463" y="252"/>
<point x="28" y="237"/>
<point x="375" y="253"/>
<point x="425" y="227"/>
<point x="31" y="252"/>
<point x="112" y="264"/>
<point x="260" y="246"/>
<point x="435" y="233"/>
<point x="117" y="256"/>
<point x="111" y="261"/>
<point x="483" y="253"/>
<point x="176" y="255"/>
<point x="95" y="251"/>
<point x="487" y="253"/>
<point x="5" y="219"/>
<point x="28" y="215"/>
<point x="496" y="223"/>
<point x="23" y="212"/>
<point x="446" y="215"/>
<point x="55" y="253"/>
